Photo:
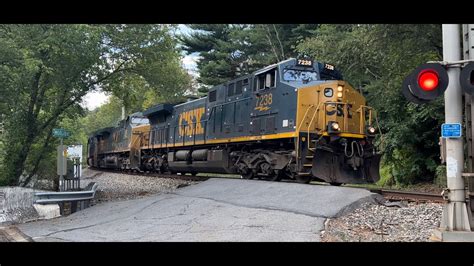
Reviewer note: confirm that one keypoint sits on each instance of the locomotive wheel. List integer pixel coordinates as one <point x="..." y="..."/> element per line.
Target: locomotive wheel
<point x="245" y="172"/>
<point x="266" y="171"/>
<point x="276" y="176"/>
<point x="248" y="175"/>
<point x="303" y="179"/>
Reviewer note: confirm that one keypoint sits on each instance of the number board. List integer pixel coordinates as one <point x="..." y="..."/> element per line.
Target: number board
<point x="304" y="62"/>
<point x="328" y="66"/>
<point x="452" y="130"/>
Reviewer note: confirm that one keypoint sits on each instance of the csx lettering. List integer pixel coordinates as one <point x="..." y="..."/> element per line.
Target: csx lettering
<point x="338" y="109"/>
<point x="190" y="119"/>
<point x="263" y="102"/>
<point x="332" y="111"/>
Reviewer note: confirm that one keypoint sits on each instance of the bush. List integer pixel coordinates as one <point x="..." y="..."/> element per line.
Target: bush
<point x="441" y="179"/>
<point x="386" y="177"/>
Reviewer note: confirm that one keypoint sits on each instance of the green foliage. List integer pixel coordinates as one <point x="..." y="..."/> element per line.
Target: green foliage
<point x="45" y="70"/>
<point x="230" y="50"/>
<point x="386" y="177"/>
<point x="441" y="179"/>
<point x="376" y="58"/>
<point x="156" y="70"/>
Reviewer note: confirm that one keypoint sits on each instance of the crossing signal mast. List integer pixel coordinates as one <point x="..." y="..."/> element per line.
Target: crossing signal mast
<point x="451" y="78"/>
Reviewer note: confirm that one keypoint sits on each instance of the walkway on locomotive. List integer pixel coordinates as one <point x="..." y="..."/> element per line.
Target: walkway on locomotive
<point x="280" y="101"/>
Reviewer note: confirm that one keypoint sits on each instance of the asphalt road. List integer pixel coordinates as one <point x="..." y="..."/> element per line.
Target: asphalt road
<point x="214" y="210"/>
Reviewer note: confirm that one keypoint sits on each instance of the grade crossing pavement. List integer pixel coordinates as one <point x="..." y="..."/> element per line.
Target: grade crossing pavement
<point x="213" y="210"/>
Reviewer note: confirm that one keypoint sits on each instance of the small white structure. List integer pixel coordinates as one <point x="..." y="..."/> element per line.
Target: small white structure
<point x="75" y="151"/>
<point x="47" y="211"/>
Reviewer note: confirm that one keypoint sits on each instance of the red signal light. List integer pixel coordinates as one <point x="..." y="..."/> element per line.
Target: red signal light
<point x="426" y="83"/>
<point x="428" y="80"/>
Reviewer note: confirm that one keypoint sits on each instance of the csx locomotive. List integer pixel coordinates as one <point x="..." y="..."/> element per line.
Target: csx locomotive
<point x="297" y="119"/>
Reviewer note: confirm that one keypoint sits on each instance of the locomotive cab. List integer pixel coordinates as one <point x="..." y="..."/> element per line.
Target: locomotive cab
<point x="335" y="127"/>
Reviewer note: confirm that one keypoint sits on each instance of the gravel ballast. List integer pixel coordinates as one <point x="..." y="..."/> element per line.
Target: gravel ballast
<point x="118" y="186"/>
<point x="379" y="223"/>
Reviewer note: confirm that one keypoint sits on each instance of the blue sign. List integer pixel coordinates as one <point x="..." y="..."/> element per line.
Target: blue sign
<point x="451" y="130"/>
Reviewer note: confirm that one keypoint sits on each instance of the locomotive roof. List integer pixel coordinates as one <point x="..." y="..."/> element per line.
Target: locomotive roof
<point x="162" y="107"/>
<point x="272" y="66"/>
<point x="103" y="131"/>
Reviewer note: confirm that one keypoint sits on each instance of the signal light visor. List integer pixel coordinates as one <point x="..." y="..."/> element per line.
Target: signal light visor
<point x="428" y="80"/>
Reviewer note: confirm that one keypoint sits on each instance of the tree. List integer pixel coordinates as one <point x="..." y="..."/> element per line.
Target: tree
<point x="45" y="70"/>
<point x="230" y="50"/>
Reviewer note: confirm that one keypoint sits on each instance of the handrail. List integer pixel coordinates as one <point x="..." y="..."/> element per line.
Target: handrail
<point x="314" y="115"/>
<point x="310" y="123"/>
<point x="299" y="126"/>
<point x="66" y="196"/>
<point x="362" y="121"/>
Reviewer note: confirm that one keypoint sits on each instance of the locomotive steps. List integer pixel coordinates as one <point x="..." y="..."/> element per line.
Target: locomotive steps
<point x="213" y="210"/>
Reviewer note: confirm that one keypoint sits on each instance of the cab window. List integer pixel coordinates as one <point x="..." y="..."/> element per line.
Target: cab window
<point x="299" y="75"/>
<point x="265" y="80"/>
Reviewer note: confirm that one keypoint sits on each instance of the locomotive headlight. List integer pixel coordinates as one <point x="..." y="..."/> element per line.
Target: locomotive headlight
<point x="339" y="94"/>
<point x="339" y="88"/>
<point x="333" y="127"/>
<point x="371" y="130"/>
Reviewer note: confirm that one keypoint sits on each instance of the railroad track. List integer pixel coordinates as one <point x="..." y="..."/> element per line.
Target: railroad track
<point x="388" y="194"/>
<point x="409" y="195"/>
<point x="173" y="176"/>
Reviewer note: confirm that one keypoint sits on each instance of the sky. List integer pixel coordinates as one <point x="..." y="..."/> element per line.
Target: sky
<point x="95" y="99"/>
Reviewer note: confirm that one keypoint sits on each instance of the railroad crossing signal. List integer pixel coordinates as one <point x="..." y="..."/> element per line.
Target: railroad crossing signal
<point x="425" y="83"/>
<point x="466" y="78"/>
<point x="429" y="81"/>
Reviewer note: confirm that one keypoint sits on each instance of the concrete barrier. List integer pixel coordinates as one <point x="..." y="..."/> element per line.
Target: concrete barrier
<point x="16" y="205"/>
<point x="48" y="211"/>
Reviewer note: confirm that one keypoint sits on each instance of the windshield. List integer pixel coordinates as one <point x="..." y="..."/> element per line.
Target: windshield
<point x="299" y="75"/>
<point x="139" y="121"/>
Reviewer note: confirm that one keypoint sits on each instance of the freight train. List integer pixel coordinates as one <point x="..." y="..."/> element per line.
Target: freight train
<point x="297" y="119"/>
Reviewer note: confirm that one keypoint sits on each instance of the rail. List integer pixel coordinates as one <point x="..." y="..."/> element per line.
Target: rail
<point x="409" y="195"/>
<point x="66" y="196"/>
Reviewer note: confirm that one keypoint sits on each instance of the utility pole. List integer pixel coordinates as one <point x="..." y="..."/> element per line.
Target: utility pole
<point x="455" y="216"/>
<point x="468" y="53"/>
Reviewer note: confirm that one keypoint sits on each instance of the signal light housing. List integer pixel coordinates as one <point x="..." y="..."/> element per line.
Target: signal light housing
<point x="425" y="83"/>
<point x="466" y="78"/>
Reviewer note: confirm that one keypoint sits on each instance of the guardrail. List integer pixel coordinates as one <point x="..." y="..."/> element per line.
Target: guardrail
<point x="66" y="196"/>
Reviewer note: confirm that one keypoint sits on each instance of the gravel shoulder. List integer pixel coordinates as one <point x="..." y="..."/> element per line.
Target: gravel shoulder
<point x="379" y="223"/>
<point x="116" y="186"/>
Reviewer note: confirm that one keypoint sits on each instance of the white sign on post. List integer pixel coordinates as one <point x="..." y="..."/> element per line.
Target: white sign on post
<point x="75" y="151"/>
